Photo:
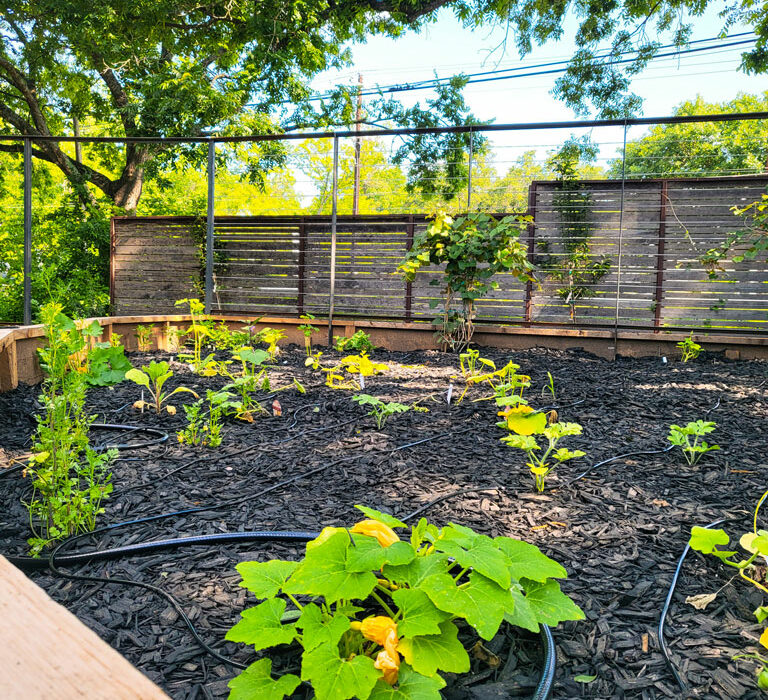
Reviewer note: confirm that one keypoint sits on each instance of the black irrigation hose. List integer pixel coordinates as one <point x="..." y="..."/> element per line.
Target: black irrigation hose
<point x="161" y="436"/>
<point x="544" y="688"/>
<point x="141" y="548"/>
<point x="665" y="610"/>
<point x="608" y="461"/>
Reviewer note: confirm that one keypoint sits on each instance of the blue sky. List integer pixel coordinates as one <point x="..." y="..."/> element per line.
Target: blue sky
<point x="448" y="48"/>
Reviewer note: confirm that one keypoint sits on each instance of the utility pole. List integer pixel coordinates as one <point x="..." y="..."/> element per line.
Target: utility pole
<point x="358" y="144"/>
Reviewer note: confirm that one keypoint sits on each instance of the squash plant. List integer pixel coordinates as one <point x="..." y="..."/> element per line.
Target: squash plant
<point x="471" y="249"/>
<point x="376" y="616"/>
<point x="755" y="543"/>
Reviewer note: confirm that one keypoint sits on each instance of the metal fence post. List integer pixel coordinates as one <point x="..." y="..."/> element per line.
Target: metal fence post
<point x="27" y="231"/>
<point x="621" y="240"/>
<point x="211" y="174"/>
<point x="334" y="217"/>
<point x="469" y="171"/>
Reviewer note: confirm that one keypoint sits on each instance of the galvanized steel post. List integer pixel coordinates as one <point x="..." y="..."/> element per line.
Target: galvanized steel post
<point x="27" y="231"/>
<point x="211" y="174"/>
<point x="334" y="216"/>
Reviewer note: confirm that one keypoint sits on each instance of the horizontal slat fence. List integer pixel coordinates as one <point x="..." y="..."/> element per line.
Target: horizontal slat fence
<point x="652" y="232"/>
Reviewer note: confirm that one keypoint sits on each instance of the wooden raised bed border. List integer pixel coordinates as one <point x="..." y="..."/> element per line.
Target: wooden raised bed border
<point x="18" y="346"/>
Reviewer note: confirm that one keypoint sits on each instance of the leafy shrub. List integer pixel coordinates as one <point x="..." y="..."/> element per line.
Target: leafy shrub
<point x="471" y="249"/>
<point x="375" y="617"/>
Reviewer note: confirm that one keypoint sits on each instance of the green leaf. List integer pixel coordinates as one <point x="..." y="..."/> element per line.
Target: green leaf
<point x="410" y="686"/>
<point x="324" y="572"/>
<point x="584" y="679"/>
<point x="527" y="560"/>
<point x="319" y="628"/>
<point x="550" y="605"/>
<point x="385" y="518"/>
<point x="265" y="579"/>
<point x="474" y="551"/>
<point x="261" y="626"/>
<point x="257" y="682"/>
<point x="418" y="570"/>
<point x="706" y="540"/>
<point x="137" y="376"/>
<point x="368" y="555"/>
<point x="334" y="678"/>
<point x="420" y="615"/>
<point x="481" y="602"/>
<point x="433" y="652"/>
<point x="522" y="614"/>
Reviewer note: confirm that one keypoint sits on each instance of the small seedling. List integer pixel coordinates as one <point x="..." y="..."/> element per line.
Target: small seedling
<point x="199" y="331"/>
<point x="152" y="378"/>
<point x="359" y="342"/>
<point x="313" y="360"/>
<point x="689" y="348"/>
<point x="523" y="423"/>
<point x="271" y="336"/>
<point x="144" y="336"/>
<point x="308" y="329"/>
<point x="681" y="436"/>
<point x="380" y="410"/>
<point x="549" y="386"/>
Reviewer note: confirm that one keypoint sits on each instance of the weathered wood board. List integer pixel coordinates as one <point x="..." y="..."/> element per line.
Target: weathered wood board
<point x="46" y="653"/>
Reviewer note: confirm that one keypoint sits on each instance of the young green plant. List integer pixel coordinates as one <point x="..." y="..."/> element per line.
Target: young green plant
<point x="69" y="478"/>
<point x="153" y="377"/>
<point x="373" y="615"/>
<point x="380" y="410"/>
<point x="359" y="342"/>
<point x="755" y="543"/>
<point x="687" y="439"/>
<point x="689" y="348"/>
<point x="524" y="424"/>
<point x="308" y="329"/>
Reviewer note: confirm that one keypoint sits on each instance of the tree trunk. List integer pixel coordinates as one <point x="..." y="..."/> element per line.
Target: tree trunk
<point x="127" y="190"/>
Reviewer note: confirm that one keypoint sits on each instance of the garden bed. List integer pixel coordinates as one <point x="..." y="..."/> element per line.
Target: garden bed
<point x="618" y="532"/>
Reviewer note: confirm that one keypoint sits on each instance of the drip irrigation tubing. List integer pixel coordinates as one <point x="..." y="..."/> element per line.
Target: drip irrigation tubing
<point x="160" y="438"/>
<point x="665" y="610"/>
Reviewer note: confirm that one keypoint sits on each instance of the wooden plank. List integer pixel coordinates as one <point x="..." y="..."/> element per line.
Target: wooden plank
<point x="46" y="653"/>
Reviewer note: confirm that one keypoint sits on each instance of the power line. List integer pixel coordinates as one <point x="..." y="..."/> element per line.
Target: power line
<point x="496" y="75"/>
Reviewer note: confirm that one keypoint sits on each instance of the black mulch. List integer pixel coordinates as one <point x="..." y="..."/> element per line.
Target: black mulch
<point x="619" y="532"/>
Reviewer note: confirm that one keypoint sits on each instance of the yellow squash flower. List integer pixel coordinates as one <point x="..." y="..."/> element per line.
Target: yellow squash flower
<point x="389" y="665"/>
<point x="382" y="630"/>
<point x="373" y="528"/>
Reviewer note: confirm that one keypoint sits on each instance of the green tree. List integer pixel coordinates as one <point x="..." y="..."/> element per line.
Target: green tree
<point x="701" y="149"/>
<point x="182" y="68"/>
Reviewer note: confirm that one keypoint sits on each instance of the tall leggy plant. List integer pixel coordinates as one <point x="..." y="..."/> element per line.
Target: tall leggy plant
<point x="69" y="478"/>
<point x="471" y="249"/>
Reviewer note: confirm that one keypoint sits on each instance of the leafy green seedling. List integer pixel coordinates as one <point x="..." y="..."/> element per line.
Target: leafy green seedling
<point x="152" y="378"/>
<point x="523" y="423"/>
<point x="359" y="342"/>
<point x="308" y="329"/>
<point x="755" y="543"/>
<point x="380" y="410"/>
<point x="689" y="349"/>
<point x="694" y="450"/>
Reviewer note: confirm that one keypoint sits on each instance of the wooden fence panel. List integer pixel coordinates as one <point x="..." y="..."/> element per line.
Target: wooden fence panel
<point x="653" y="233"/>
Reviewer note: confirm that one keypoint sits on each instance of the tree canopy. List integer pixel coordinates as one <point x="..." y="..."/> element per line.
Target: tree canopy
<point x="176" y="67"/>
<point x="702" y="148"/>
